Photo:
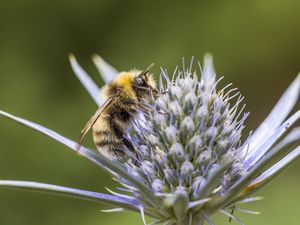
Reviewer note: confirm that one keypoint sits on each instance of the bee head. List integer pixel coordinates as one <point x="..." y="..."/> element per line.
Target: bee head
<point x="144" y="83"/>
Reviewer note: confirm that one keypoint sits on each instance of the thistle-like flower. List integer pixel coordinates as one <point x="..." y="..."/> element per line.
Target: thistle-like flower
<point x="192" y="162"/>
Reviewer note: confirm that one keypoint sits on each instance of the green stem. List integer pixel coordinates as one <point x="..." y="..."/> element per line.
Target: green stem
<point x="198" y="219"/>
<point x="192" y="219"/>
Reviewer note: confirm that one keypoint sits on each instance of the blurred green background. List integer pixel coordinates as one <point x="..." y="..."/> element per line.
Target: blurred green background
<point x="255" y="45"/>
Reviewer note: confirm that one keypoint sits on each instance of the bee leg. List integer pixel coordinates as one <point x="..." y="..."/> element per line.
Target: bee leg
<point x="128" y="144"/>
<point x="150" y="109"/>
<point x="119" y="152"/>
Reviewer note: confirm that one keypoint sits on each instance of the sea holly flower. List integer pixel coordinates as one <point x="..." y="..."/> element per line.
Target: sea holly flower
<point x="192" y="162"/>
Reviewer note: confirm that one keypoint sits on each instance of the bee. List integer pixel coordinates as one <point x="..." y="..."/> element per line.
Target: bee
<point x="125" y="96"/>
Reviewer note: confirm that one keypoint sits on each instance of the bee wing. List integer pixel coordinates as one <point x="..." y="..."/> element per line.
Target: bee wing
<point x="94" y="118"/>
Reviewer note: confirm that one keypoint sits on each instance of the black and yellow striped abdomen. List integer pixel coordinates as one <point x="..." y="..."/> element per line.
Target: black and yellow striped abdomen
<point x="109" y="131"/>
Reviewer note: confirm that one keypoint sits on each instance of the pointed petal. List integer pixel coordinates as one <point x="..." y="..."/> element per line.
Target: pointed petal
<point x="112" y="166"/>
<point x="231" y="216"/>
<point x="73" y="192"/>
<point x="118" y="194"/>
<point x="250" y="199"/>
<point x="86" y="80"/>
<point x="143" y="215"/>
<point x="113" y="210"/>
<point x="292" y="137"/>
<point x="208" y="69"/>
<point x="107" y="72"/>
<point x="247" y="211"/>
<point x="242" y="199"/>
<point x="198" y="203"/>
<point x="275" y="118"/>
<point x="275" y="170"/>
<point x="254" y="156"/>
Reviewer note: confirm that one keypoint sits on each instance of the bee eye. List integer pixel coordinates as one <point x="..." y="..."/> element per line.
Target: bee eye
<point x="139" y="81"/>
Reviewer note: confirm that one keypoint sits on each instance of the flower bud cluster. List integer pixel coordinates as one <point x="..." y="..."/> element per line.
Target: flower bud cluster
<point x="193" y="131"/>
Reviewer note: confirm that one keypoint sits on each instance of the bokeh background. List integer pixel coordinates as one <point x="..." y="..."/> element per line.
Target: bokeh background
<point x="255" y="45"/>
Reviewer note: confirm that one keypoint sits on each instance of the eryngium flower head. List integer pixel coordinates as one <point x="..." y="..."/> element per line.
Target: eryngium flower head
<point x="191" y="162"/>
<point x="191" y="155"/>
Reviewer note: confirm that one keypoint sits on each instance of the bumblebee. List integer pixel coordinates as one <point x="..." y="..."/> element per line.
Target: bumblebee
<point x="125" y="97"/>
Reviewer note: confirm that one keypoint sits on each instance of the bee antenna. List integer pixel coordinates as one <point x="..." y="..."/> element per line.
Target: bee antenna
<point x="147" y="70"/>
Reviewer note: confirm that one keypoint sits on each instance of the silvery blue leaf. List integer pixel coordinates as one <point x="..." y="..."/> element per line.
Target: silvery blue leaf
<point x="232" y="216"/>
<point x="274" y="120"/>
<point x="86" y="80"/>
<point x="107" y="72"/>
<point x="73" y="192"/>
<point x="292" y="137"/>
<point x="268" y="175"/>
<point x="251" y="159"/>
